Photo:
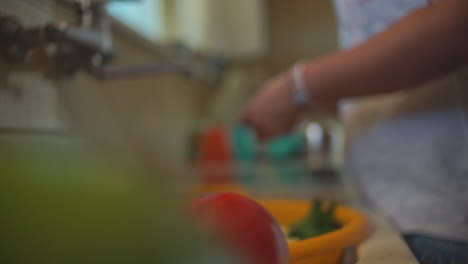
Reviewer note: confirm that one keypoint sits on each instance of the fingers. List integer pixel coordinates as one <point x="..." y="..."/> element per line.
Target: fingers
<point x="272" y="111"/>
<point x="266" y="130"/>
<point x="249" y="119"/>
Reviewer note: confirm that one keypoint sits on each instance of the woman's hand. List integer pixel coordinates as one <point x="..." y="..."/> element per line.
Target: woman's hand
<point x="273" y="111"/>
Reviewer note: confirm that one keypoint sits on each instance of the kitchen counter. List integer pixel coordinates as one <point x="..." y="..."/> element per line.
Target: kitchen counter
<point x="385" y="246"/>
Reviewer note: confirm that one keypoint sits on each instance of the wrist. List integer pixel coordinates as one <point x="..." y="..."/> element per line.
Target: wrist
<point x="307" y="86"/>
<point x="298" y="85"/>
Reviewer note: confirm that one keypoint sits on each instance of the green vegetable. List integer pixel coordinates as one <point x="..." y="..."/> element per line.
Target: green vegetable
<point x="319" y="221"/>
<point x="64" y="201"/>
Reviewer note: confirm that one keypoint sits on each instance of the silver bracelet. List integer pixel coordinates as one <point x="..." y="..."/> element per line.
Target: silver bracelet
<point x="299" y="87"/>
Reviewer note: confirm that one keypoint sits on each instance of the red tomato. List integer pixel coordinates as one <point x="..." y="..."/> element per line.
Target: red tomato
<point x="245" y="226"/>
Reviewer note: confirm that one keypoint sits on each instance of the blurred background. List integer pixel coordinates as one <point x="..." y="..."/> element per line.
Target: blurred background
<point x="162" y="83"/>
<point x="154" y="73"/>
<point x="108" y="98"/>
<point x="231" y="47"/>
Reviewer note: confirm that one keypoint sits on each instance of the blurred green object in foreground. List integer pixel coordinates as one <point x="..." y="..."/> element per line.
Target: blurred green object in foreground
<point x="62" y="201"/>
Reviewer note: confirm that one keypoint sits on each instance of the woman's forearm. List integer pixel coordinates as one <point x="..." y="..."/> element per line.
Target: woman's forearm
<point x="427" y="44"/>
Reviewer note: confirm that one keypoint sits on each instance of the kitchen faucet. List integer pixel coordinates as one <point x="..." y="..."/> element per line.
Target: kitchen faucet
<point x="86" y="44"/>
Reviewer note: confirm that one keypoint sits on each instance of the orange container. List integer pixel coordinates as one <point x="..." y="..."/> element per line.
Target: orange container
<point x="324" y="249"/>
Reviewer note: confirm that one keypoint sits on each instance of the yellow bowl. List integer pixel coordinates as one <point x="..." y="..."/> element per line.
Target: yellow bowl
<point x="324" y="249"/>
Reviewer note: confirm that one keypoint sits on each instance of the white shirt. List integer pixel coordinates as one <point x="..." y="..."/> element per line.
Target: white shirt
<point x="413" y="164"/>
<point x="361" y="19"/>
